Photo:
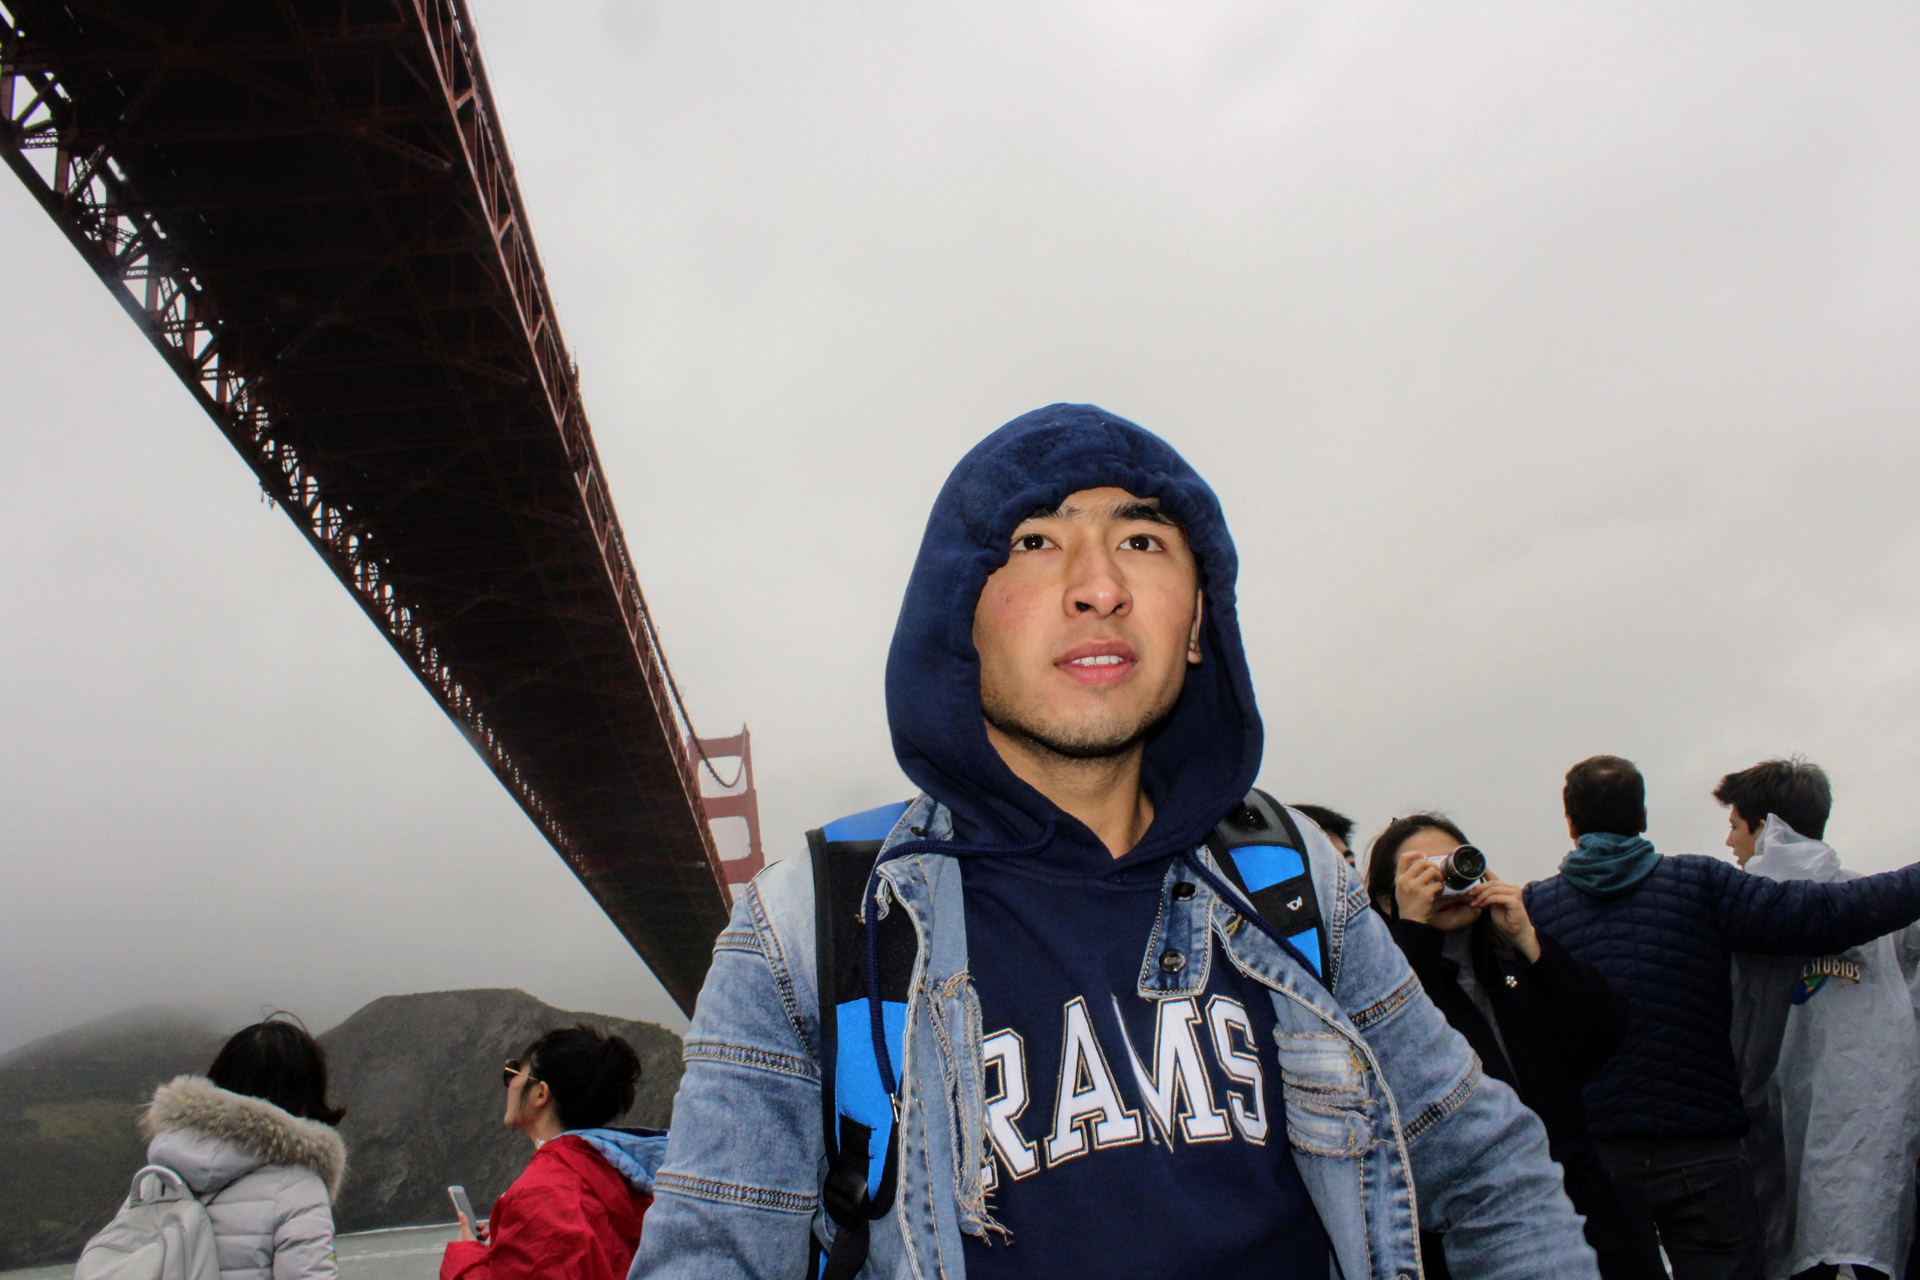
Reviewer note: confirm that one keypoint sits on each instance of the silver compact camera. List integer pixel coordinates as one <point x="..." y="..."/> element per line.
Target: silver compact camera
<point x="1460" y="870"/>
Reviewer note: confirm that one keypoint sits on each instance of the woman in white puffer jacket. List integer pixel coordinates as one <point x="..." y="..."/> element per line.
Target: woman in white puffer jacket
<point x="255" y="1141"/>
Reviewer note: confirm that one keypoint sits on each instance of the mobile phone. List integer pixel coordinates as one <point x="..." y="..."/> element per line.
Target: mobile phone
<point x="464" y="1207"/>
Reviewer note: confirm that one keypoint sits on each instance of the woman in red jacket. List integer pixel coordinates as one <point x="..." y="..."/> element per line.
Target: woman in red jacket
<point x="574" y="1213"/>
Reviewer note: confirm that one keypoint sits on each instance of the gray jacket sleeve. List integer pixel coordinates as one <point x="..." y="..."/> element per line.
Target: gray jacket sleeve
<point x="303" y="1232"/>
<point x="738" y="1190"/>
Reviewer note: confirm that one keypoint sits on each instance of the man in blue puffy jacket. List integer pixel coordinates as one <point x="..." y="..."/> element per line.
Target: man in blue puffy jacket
<point x="1667" y="1107"/>
<point x="1110" y="1063"/>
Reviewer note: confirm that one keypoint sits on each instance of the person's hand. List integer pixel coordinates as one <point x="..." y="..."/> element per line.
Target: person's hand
<point x="469" y="1232"/>
<point x="1416" y="883"/>
<point x="1509" y="910"/>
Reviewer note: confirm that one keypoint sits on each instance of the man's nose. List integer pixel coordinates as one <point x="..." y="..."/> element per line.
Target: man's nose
<point x="1094" y="585"/>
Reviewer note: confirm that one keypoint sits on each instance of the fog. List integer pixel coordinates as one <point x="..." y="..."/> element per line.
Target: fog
<point x="1555" y="365"/>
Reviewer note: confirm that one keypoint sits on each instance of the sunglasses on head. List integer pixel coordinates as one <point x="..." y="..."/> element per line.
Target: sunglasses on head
<point x="515" y="1069"/>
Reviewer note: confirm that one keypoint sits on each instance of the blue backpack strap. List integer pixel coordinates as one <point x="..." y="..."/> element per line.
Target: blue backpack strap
<point x="856" y="1111"/>
<point x="1260" y="848"/>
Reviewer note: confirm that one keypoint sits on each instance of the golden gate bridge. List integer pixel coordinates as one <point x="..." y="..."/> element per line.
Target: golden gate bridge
<point x="309" y="208"/>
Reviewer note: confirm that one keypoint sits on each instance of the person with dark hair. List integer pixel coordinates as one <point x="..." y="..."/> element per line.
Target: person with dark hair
<point x="575" y="1211"/>
<point x="1829" y="1053"/>
<point x="254" y="1140"/>
<point x="1540" y="1020"/>
<point x="1794" y="790"/>
<point x="1062" y="1027"/>
<point x="1605" y="795"/>
<point x="1667" y="1107"/>
<point x="1337" y="825"/>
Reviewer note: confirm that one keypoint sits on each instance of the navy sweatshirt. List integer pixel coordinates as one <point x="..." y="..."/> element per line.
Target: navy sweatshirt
<point x="1127" y="1136"/>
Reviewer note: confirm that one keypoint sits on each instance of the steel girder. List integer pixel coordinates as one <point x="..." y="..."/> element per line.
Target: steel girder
<point x="308" y="207"/>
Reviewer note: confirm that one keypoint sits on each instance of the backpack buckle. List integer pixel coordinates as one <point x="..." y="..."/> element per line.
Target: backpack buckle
<point x="845" y="1193"/>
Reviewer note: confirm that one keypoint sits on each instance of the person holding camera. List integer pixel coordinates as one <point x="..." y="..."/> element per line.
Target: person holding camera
<point x="1540" y="1020"/>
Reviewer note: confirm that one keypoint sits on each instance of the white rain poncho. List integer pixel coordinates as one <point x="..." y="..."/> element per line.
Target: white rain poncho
<point x="1829" y="1052"/>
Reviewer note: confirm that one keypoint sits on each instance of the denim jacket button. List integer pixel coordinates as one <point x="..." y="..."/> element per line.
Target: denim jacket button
<point x="1171" y="961"/>
<point x="1182" y="891"/>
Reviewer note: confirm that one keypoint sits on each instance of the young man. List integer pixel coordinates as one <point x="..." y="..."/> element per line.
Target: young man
<point x="1829" y="1054"/>
<point x="1109" y="1063"/>
<point x="1667" y="1107"/>
<point x="1794" y="791"/>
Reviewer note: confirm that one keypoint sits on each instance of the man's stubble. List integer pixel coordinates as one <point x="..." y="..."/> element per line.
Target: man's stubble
<point x="1105" y="743"/>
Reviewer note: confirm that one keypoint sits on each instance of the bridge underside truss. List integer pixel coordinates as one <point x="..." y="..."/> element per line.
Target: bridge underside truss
<point x="308" y="207"/>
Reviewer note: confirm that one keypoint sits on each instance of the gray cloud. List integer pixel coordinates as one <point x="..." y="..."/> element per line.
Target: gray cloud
<point x="1555" y="367"/>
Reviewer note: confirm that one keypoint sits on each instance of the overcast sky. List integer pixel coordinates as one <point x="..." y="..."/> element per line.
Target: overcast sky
<point x="1556" y="366"/>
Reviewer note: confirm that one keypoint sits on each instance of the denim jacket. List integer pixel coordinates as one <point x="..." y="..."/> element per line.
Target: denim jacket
<point x="1389" y="1116"/>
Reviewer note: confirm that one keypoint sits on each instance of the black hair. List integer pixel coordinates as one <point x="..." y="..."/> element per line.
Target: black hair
<point x="593" y="1075"/>
<point x="1385" y="854"/>
<point x="1484" y="942"/>
<point x="277" y="1060"/>
<point x="1336" y="824"/>
<point x="1793" y="789"/>
<point x="1606" y="794"/>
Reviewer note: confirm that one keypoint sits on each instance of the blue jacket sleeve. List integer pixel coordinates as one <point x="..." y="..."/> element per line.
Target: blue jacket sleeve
<point x="1806" y="917"/>
<point x="737" y="1192"/>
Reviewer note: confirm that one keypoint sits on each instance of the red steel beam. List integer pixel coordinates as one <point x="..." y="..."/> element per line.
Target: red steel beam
<point x="291" y="380"/>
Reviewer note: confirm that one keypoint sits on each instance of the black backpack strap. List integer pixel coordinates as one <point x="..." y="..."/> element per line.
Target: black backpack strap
<point x="1260" y="849"/>
<point x="857" y="1112"/>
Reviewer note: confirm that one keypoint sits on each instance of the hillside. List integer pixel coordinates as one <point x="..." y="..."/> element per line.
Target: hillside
<point x="418" y="1074"/>
<point x="68" y="1110"/>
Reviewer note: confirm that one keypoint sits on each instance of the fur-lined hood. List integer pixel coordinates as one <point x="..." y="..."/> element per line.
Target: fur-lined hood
<point x="221" y="1136"/>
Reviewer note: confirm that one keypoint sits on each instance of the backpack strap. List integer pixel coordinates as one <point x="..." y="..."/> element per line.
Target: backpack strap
<point x="857" y="1111"/>
<point x="1260" y="848"/>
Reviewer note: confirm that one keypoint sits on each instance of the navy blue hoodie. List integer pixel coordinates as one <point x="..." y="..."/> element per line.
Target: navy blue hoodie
<point x="1091" y="1175"/>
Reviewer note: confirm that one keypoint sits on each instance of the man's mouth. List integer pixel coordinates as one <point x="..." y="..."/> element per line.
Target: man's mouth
<point x="1099" y="662"/>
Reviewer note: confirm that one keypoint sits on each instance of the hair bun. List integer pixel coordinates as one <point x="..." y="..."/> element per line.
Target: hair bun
<point x="594" y="1076"/>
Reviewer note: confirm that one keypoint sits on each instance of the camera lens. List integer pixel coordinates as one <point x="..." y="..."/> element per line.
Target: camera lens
<point x="1465" y="866"/>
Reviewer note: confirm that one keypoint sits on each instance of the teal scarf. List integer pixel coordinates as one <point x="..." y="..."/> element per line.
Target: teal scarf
<point x="1607" y="865"/>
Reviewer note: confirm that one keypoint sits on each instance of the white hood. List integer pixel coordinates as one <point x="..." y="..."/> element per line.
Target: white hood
<point x="1781" y="853"/>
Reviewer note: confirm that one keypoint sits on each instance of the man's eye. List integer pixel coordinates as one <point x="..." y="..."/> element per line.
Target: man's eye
<point x="1030" y="542"/>
<point x="1141" y="542"/>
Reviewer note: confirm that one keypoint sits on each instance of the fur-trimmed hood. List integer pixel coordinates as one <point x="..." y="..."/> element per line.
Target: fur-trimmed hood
<point x="211" y="1136"/>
